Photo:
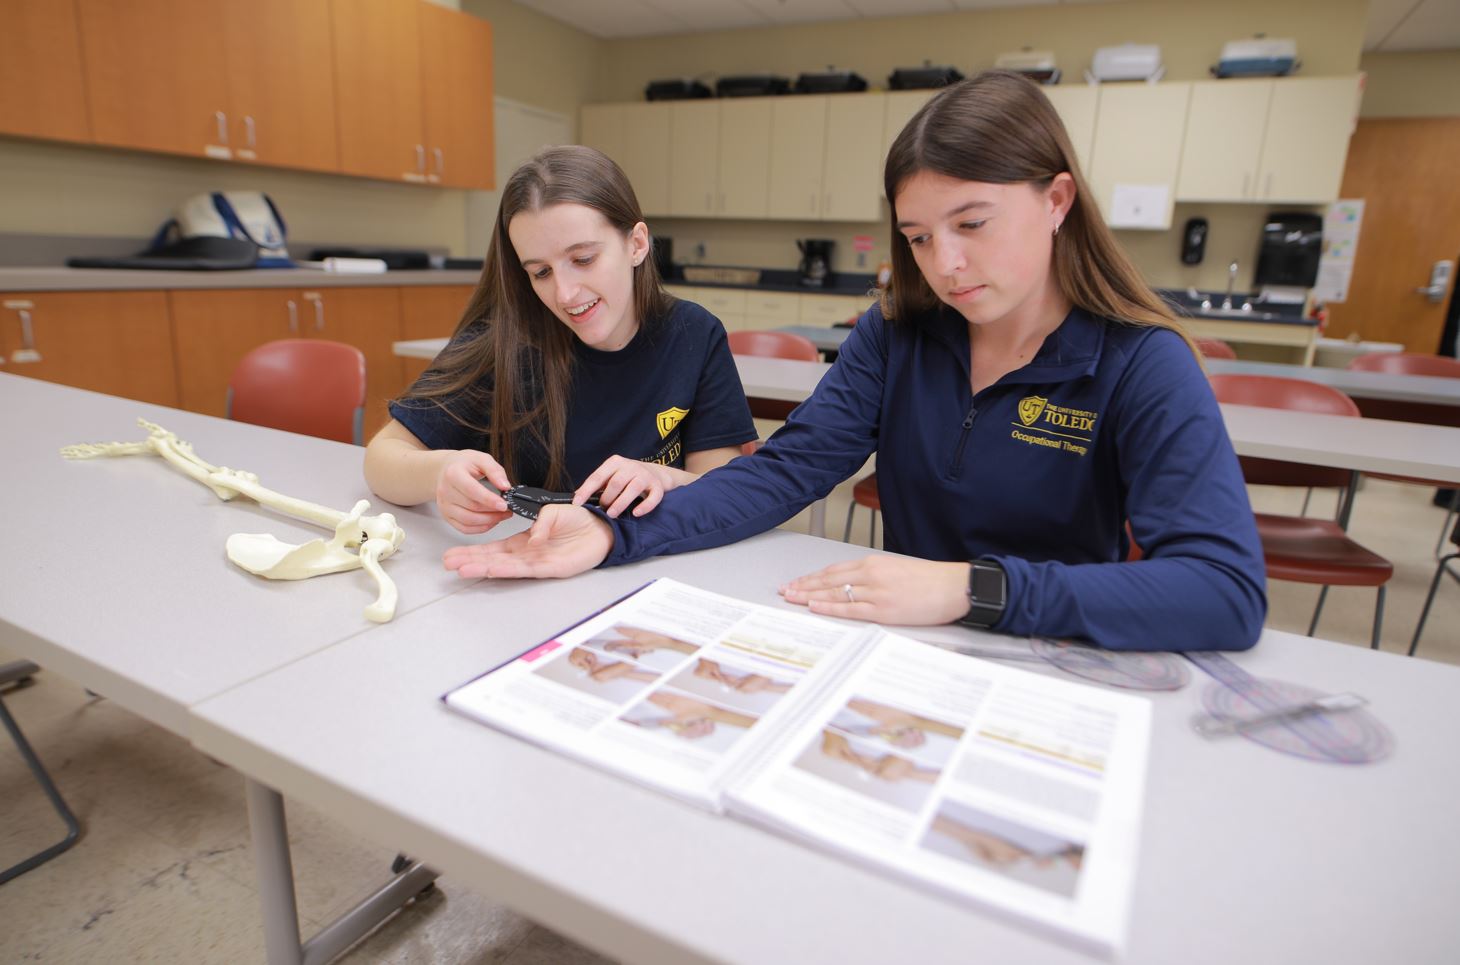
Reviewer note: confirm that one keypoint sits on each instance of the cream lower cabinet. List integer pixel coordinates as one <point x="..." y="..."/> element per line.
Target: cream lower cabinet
<point x="768" y="310"/>
<point x="1139" y="130"/>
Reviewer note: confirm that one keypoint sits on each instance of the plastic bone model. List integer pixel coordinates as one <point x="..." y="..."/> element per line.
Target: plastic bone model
<point x="359" y="540"/>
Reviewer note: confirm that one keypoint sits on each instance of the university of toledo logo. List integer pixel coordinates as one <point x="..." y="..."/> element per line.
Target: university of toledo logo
<point x="668" y="419"/>
<point x="1029" y="408"/>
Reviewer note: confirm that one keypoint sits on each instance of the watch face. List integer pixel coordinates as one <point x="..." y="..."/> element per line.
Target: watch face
<point x="988" y="586"/>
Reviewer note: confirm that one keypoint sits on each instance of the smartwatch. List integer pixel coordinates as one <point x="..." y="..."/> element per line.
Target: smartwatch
<point x="987" y="594"/>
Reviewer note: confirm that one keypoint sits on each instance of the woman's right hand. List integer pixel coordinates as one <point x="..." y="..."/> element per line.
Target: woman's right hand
<point x="565" y="541"/>
<point x="464" y="502"/>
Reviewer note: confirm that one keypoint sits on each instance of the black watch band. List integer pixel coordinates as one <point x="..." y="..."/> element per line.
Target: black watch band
<point x="987" y="594"/>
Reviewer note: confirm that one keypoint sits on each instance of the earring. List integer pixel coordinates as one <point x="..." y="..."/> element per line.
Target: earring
<point x="1056" y="229"/>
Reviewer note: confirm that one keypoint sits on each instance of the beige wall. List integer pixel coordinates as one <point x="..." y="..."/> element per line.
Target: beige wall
<point x="63" y="189"/>
<point x="1191" y="32"/>
<point x="1418" y="84"/>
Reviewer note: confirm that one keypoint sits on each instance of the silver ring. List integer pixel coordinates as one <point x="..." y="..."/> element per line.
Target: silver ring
<point x="847" y="589"/>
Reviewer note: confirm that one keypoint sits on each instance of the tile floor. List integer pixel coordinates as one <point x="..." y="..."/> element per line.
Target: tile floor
<point x="164" y="873"/>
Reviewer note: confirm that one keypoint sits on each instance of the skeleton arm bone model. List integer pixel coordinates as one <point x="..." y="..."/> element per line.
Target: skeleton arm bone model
<point x="359" y="541"/>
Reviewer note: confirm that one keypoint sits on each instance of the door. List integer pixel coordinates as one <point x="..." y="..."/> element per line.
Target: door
<point x="1404" y="170"/>
<point x="1307" y="138"/>
<point x="1223" y="144"/>
<point x="694" y="158"/>
<point x="798" y="151"/>
<point x="745" y="156"/>
<point x="41" y="89"/>
<point x="851" y="181"/>
<point x="281" y="83"/>
<point x="456" y="60"/>
<point x="378" y="87"/>
<point x="154" y="75"/>
<point x="212" y="330"/>
<point x="113" y="342"/>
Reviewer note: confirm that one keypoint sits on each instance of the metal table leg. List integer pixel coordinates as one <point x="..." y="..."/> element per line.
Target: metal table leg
<point x="270" y="834"/>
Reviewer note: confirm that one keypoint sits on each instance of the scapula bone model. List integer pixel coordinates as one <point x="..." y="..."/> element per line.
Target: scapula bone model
<point x="359" y="540"/>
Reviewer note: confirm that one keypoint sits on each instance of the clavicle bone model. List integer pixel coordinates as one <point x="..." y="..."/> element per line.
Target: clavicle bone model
<point x="359" y="540"/>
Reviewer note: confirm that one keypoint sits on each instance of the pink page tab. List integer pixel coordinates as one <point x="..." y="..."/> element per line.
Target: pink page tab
<point x="540" y="651"/>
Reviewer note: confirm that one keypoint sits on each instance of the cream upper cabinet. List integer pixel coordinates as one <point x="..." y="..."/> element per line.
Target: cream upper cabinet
<point x="1139" y="130"/>
<point x="901" y="105"/>
<point x="852" y="175"/>
<point x="644" y="154"/>
<point x="798" y="152"/>
<point x="745" y="157"/>
<point x="1223" y="144"/>
<point x="1306" y="143"/>
<point x="1076" y="107"/>
<point x="694" y="158"/>
<point x="601" y="126"/>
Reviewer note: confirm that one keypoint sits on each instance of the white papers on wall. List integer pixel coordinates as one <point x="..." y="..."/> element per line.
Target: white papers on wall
<point x="1341" y="226"/>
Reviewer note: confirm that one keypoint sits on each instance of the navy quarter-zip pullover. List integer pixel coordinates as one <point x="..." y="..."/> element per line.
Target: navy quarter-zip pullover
<point x="1041" y="470"/>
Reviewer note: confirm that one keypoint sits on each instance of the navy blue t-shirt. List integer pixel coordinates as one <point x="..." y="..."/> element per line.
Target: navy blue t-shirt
<point x="672" y="390"/>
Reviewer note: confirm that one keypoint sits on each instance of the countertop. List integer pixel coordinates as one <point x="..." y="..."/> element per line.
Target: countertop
<point x="112" y="279"/>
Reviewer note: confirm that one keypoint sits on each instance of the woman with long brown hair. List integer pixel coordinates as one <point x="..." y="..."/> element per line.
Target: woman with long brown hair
<point x="571" y="368"/>
<point x="1027" y="397"/>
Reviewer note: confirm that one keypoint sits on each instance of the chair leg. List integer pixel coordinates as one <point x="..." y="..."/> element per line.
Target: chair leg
<point x="1322" y="595"/>
<point x="847" y="536"/>
<point x="872" y="542"/>
<point x="73" y="828"/>
<point x="1378" y="619"/>
<point x="1307" y="496"/>
<point x="1424" y="614"/>
<point x="1450" y="515"/>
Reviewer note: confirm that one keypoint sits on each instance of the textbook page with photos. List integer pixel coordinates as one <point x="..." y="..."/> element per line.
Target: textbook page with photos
<point x="990" y="785"/>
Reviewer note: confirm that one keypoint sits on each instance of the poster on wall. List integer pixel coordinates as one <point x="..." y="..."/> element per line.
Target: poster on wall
<point x="1341" y="224"/>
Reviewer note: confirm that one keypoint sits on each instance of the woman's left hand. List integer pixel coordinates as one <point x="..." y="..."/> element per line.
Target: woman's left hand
<point x="621" y="480"/>
<point x="885" y="589"/>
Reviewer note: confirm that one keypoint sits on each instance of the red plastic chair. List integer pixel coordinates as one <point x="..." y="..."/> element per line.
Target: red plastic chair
<point x="775" y="345"/>
<point x="310" y="386"/>
<point x="1215" y="348"/>
<point x="1442" y="570"/>
<point x="1411" y="363"/>
<point x="1407" y="363"/>
<point x="1297" y="548"/>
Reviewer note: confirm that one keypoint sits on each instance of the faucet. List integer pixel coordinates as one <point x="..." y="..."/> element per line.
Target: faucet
<point x="1231" y="283"/>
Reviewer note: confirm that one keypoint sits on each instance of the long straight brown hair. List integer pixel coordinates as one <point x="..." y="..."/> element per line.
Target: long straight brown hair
<point x="999" y="128"/>
<point x="510" y="358"/>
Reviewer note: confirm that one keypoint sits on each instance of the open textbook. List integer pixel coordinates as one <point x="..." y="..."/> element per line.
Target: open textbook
<point x="990" y="784"/>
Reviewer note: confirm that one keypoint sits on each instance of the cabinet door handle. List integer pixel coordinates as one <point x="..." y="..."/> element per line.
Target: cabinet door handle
<point x="440" y="162"/>
<point x="27" y="351"/>
<point x="421" y="159"/>
<point x="293" y="317"/>
<point x="222" y="120"/>
<point x="318" y="301"/>
<point x="248" y="130"/>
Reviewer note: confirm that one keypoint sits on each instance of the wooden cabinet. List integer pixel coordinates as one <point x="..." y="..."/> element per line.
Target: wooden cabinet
<point x="694" y="158"/>
<point x="214" y="329"/>
<point x="745" y="157"/>
<point x="899" y="108"/>
<point x="377" y="47"/>
<point x="154" y="74"/>
<point x="798" y="153"/>
<point x="456" y="63"/>
<point x="1077" y="107"/>
<point x="281" y="83"/>
<point x="851" y="176"/>
<point x="1306" y="139"/>
<point x="113" y="342"/>
<point x="644" y="154"/>
<point x="42" y="93"/>
<point x="1139" y="129"/>
<point x="767" y="310"/>
<point x="427" y="312"/>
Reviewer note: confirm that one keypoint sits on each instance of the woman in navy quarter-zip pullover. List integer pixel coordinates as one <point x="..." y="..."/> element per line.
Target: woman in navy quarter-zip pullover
<point x="1026" y="396"/>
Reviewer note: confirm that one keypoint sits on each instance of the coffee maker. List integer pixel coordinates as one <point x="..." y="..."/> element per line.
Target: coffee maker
<point x="815" y="267"/>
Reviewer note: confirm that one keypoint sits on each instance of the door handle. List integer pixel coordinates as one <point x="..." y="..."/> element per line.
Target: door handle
<point x="248" y="130"/>
<point x="1439" y="282"/>
<point x="440" y="162"/>
<point x="318" y="301"/>
<point x="222" y="120"/>
<point x="293" y="317"/>
<point x="27" y="351"/>
<point x="420" y="159"/>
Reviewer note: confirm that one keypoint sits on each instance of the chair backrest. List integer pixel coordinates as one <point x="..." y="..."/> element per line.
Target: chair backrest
<point x="305" y="385"/>
<point x="776" y="345"/>
<point x="1215" y="348"/>
<point x="1407" y="363"/>
<point x="1272" y="392"/>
